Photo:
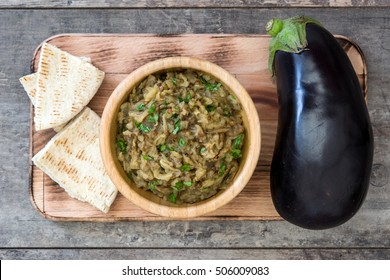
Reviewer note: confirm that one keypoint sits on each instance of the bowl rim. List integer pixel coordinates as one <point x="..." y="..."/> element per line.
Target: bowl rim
<point x="108" y="151"/>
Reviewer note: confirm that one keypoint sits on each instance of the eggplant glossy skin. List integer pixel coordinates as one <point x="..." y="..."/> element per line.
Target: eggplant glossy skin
<point x="324" y="145"/>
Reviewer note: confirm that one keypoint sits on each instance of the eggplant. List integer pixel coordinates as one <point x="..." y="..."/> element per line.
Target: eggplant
<point x="323" y="152"/>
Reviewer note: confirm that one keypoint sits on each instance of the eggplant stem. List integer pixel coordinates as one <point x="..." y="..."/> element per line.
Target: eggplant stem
<point x="288" y="35"/>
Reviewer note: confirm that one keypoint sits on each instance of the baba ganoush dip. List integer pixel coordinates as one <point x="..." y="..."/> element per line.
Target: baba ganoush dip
<point x="180" y="136"/>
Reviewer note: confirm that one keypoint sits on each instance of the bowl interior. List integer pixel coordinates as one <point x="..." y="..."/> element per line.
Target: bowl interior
<point x="146" y="199"/>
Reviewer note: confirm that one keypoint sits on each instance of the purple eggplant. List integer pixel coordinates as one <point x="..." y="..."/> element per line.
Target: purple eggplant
<point x="324" y="145"/>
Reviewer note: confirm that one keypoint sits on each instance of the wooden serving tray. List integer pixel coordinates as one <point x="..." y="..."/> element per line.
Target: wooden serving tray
<point x="245" y="56"/>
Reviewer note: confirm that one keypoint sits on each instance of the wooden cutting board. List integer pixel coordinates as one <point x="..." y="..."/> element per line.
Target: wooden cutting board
<point x="245" y="56"/>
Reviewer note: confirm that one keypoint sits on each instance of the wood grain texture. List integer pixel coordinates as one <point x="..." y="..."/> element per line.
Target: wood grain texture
<point x="196" y="254"/>
<point x="190" y="3"/>
<point x="244" y="56"/>
<point x="21" y="226"/>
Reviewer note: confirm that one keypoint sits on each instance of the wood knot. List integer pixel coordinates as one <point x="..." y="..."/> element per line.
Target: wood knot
<point x="379" y="175"/>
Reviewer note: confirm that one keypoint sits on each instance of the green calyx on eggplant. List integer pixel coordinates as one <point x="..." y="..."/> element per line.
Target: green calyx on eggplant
<point x="324" y="145"/>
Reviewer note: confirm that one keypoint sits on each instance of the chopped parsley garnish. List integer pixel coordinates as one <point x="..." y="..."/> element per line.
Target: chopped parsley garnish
<point x="176" y="129"/>
<point x="210" y="108"/>
<point x="165" y="148"/>
<point x="140" y="107"/>
<point x="143" y="127"/>
<point x="153" y="118"/>
<point x="211" y="87"/>
<point x="238" y="141"/>
<point x="153" y="184"/>
<point x="174" y="81"/>
<point x="147" y="157"/>
<point x="151" y="109"/>
<point x="236" y="153"/>
<point x="185" y="167"/>
<point x="177" y="186"/>
<point x="202" y="150"/>
<point x="176" y="125"/>
<point x="182" y="142"/>
<point x="122" y="145"/>
<point x="236" y="147"/>
<point x="186" y="99"/>
<point x="226" y="112"/>
<point x="172" y="197"/>
<point x="187" y="184"/>
<point x="222" y="168"/>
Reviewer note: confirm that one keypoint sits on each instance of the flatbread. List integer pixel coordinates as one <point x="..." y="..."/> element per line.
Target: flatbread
<point x="72" y="159"/>
<point x="65" y="85"/>
<point x="29" y="84"/>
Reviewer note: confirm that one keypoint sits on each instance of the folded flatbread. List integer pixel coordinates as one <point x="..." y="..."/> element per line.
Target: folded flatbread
<point x="65" y="84"/>
<point x="72" y="159"/>
<point x="29" y="84"/>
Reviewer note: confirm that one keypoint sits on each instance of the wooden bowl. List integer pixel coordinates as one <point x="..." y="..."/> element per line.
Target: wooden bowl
<point x="149" y="201"/>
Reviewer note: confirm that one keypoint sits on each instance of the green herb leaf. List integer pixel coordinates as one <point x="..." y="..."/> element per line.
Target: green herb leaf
<point x="185" y="167"/>
<point x="172" y="197"/>
<point x="186" y="99"/>
<point x="143" y="127"/>
<point x="152" y="109"/>
<point x="178" y="186"/>
<point x="182" y="142"/>
<point x="222" y="168"/>
<point x="176" y="127"/>
<point x="187" y="184"/>
<point x="211" y="87"/>
<point x="216" y="87"/>
<point x="226" y="112"/>
<point x="122" y="145"/>
<point x="210" y="108"/>
<point x="174" y="81"/>
<point x="163" y="148"/>
<point x="238" y="141"/>
<point x="153" y="118"/>
<point x="236" y="153"/>
<point x="153" y="184"/>
<point x="140" y="107"/>
<point x="176" y="130"/>
<point x="147" y="157"/>
<point x="202" y="150"/>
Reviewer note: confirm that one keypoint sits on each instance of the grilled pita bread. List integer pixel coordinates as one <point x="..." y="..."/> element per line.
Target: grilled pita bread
<point x="72" y="159"/>
<point x="29" y="84"/>
<point x="65" y="84"/>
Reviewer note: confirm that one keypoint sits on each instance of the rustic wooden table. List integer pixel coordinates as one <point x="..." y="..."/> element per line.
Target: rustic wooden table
<point x="26" y="234"/>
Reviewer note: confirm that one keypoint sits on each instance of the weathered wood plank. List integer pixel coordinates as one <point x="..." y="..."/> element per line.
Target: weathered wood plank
<point x="22" y="226"/>
<point x="196" y="254"/>
<point x="243" y="55"/>
<point x="190" y="3"/>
